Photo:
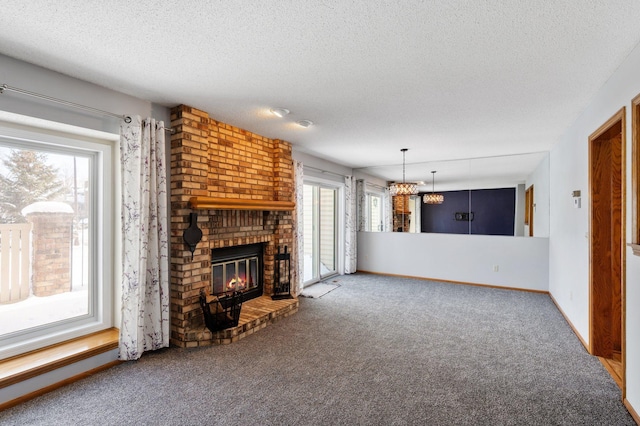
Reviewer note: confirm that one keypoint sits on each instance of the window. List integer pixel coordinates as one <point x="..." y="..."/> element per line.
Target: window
<point x="55" y="235"/>
<point x="374" y="212"/>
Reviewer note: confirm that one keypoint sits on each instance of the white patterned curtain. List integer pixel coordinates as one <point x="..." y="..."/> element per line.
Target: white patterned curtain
<point x="361" y="199"/>
<point x="387" y="211"/>
<point x="350" y="242"/>
<point x="145" y="243"/>
<point x="298" y="236"/>
<point x="418" y="219"/>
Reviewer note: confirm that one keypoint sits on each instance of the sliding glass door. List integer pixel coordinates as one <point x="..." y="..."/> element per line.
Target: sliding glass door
<point x="320" y="232"/>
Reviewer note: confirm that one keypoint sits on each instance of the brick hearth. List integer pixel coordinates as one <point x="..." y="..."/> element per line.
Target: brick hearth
<point x="211" y="160"/>
<point x="256" y="314"/>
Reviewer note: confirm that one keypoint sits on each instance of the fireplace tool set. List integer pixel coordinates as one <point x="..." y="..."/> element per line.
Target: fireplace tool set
<point x="282" y="276"/>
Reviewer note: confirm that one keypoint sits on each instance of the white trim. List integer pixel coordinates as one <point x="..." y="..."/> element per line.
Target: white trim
<point x="101" y="147"/>
<point x="24" y="122"/>
<point x="340" y="187"/>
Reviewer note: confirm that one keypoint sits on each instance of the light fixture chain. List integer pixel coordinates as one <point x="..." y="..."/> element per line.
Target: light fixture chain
<point x="404" y="153"/>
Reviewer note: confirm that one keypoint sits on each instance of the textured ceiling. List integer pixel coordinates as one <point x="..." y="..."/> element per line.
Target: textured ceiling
<point x="448" y="80"/>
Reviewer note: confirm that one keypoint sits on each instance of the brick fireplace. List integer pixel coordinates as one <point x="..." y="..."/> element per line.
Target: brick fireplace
<point x="241" y="186"/>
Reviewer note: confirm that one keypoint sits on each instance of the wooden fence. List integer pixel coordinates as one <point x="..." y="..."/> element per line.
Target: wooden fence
<point x="15" y="244"/>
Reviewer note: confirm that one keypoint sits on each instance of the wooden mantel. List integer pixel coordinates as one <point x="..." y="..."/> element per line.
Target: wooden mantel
<point x="214" y="203"/>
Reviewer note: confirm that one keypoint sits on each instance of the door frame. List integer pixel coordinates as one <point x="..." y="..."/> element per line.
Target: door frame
<point x="595" y="338"/>
<point x="340" y="208"/>
<point x="529" y="209"/>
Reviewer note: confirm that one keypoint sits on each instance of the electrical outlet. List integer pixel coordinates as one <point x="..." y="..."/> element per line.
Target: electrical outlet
<point x="496" y="268"/>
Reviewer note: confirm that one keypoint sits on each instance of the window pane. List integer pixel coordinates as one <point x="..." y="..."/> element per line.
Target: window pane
<point x="45" y="237"/>
<point x="309" y="200"/>
<point x="375" y="213"/>
<point x="327" y="230"/>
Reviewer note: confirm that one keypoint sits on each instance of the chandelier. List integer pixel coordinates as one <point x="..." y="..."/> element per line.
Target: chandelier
<point x="404" y="188"/>
<point x="433" y="198"/>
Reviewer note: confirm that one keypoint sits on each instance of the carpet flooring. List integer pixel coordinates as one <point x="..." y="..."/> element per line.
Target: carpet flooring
<point x="375" y="351"/>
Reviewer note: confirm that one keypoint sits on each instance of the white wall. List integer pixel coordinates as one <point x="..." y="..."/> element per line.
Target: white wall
<point x="40" y="80"/>
<point x="568" y="243"/>
<point x="540" y="181"/>
<point x="372" y="180"/>
<point x="522" y="262"/>
<point x="321" y="168"/>
<point x="633" y="331"/>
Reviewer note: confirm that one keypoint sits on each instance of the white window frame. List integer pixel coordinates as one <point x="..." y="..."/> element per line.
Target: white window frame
<point x="340" y="223"/>
<point x="369" y="191"/>
<point x="27" y="131"/>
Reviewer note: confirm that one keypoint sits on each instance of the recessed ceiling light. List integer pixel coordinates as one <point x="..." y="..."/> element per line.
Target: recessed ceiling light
<point x="280" y="112"/>
<point x="304" y="123"/>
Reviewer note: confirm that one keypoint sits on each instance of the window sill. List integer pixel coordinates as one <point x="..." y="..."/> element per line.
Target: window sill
<point x="22" y="367"/>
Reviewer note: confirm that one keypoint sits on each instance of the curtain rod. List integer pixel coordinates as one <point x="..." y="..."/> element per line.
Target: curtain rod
<point x="126" y="118"/>
<point x="375" y="185"/>
<point x="323" y="171"/>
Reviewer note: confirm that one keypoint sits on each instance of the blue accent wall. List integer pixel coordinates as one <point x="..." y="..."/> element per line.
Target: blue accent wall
<point x="439" y="218"/>
<point x="493" y="212"/>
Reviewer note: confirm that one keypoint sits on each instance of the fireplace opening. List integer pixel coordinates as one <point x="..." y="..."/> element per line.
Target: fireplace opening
<point x="239" y="269"/>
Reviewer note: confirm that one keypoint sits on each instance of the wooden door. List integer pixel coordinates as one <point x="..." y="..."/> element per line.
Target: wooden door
<point x="607" y="230"/>
<point x="529" y="208"/>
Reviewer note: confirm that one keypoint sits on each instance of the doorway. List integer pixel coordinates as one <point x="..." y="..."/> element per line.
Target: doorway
<point x="320" y="232"/>
<point x="606" y="244"/>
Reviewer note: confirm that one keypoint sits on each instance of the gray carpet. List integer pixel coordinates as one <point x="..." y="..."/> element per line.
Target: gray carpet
<point x="375" y="351"/>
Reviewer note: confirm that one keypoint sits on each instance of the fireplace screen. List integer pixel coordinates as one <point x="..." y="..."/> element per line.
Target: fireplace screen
<point x="235" y="275"/>
<point x="237" y="268"/>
